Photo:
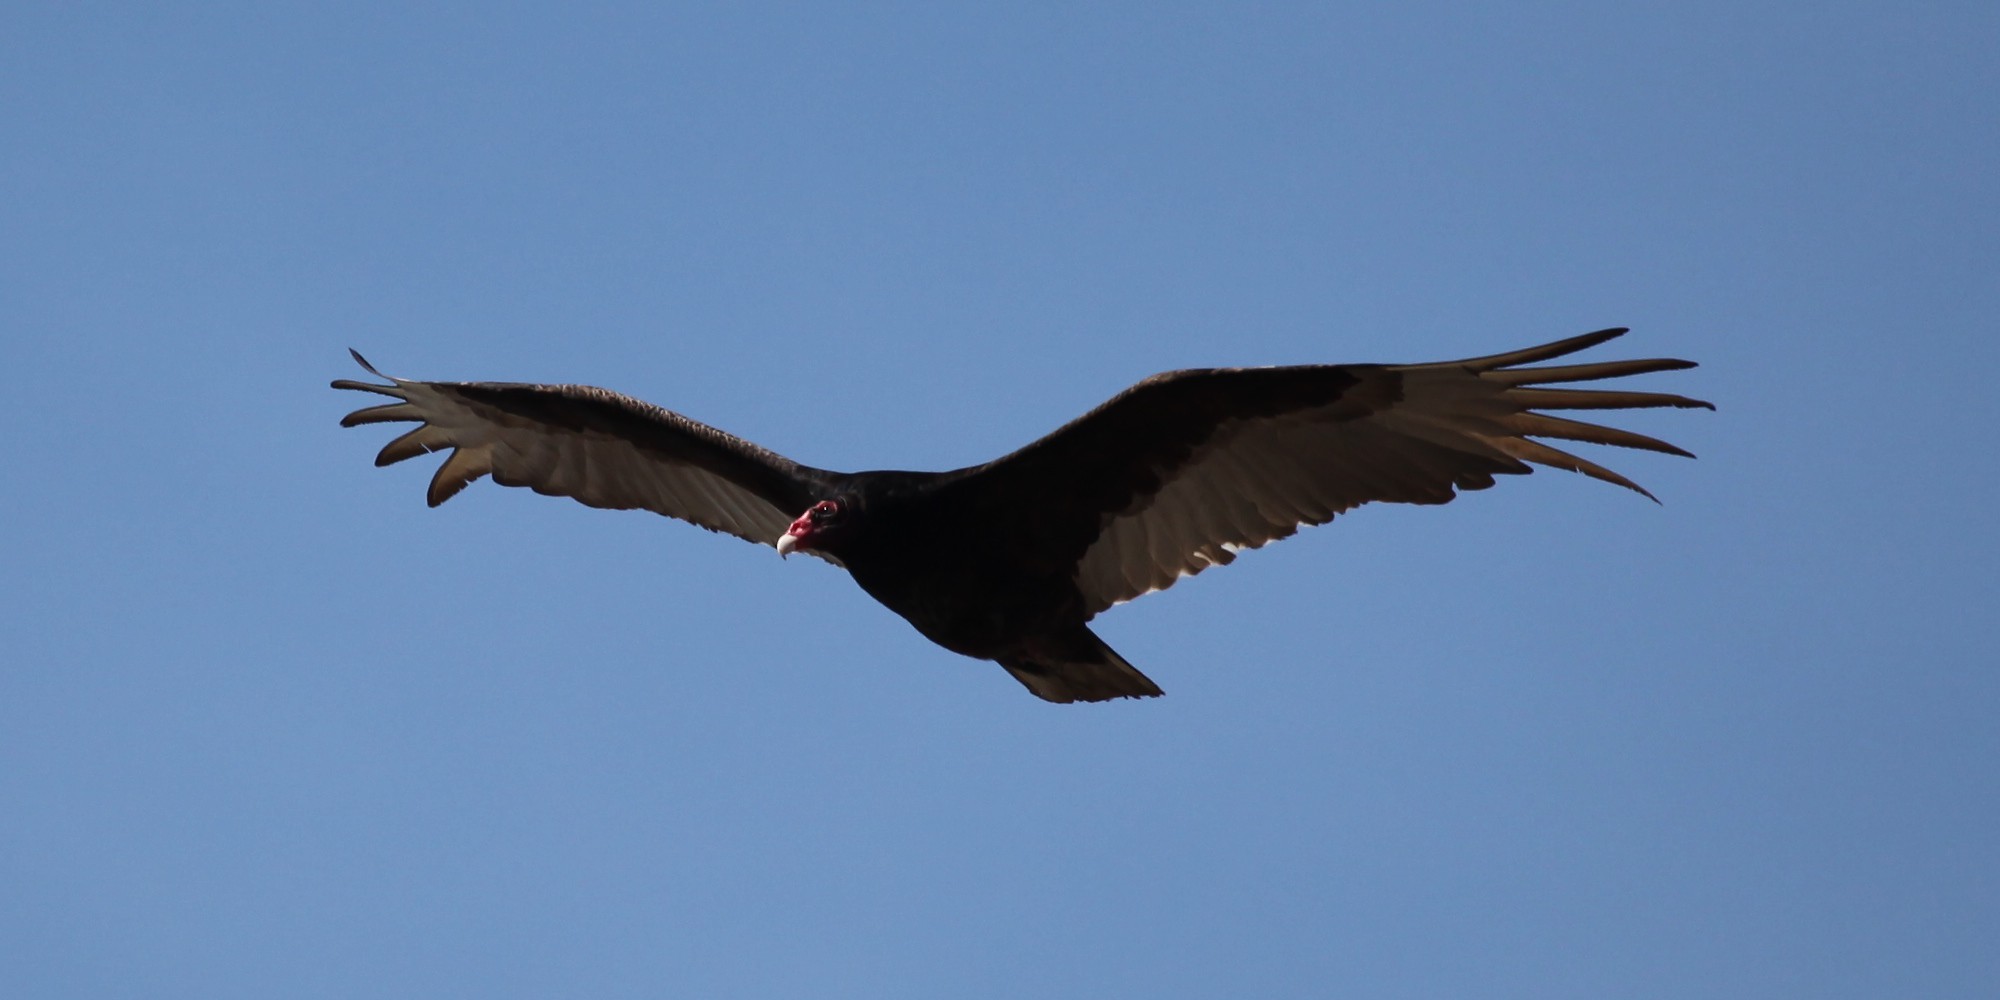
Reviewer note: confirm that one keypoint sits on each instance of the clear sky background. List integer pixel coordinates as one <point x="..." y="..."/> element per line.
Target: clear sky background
<point x="271" y="728"/>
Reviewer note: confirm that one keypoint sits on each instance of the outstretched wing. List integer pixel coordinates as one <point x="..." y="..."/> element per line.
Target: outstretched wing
<point x="594" y="445"/>
<point x="1183" y="470"/>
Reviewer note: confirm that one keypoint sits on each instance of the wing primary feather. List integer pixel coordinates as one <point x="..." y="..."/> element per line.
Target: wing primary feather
<point x="372" y="370"/>
<point x="1530" y="355"/>
<point x="421" y="441"/>
<point x="1543" y="425"/>
<point x="1587" y="373"/>
<point x="1598" y="399"/>
<point x="1541" y="454"/>
<point x="386" y="413"/>
<point x="380" y="390"/>
<point x="395" y="391"/>
<point x="463" y="467"/>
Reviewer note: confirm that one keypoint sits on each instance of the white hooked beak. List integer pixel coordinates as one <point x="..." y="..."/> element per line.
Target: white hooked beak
<point x="787" y="542"/>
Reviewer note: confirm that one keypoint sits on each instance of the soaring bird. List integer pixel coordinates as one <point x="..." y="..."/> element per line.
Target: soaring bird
<point x="1009" y="560"/>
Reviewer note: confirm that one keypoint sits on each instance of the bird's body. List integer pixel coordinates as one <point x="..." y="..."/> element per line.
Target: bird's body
<point x="1009" y="560"/>
<point x="932" y="560"/>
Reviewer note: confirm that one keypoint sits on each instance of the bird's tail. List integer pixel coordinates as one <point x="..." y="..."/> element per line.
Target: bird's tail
<point x="1077" y="666"/>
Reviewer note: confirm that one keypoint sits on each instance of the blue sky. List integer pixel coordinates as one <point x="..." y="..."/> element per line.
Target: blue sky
<point x="270" y="727"/>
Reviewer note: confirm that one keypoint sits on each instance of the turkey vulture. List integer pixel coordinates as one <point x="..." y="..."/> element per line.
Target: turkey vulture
<point x="1008" y="560"/>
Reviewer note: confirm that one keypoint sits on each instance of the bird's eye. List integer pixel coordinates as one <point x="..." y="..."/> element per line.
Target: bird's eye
<point x="825" y="510"/>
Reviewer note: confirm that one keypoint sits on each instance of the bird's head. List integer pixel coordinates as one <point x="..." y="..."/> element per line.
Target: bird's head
<point x="820" y="528"/>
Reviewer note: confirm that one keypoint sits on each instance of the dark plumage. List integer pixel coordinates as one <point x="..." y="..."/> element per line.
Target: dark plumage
<point x="1007" y="561"/>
